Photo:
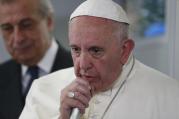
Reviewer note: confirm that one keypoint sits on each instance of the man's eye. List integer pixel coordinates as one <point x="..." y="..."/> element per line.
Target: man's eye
<point x="96" y="52"/>
<point x="75" y="51"/>
<point x="26" y="24"/>
<point x="6" y="27"/>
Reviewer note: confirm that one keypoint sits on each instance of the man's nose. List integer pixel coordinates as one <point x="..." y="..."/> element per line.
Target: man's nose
<point x="18" y="35"/>
<point x="85" y="62"/>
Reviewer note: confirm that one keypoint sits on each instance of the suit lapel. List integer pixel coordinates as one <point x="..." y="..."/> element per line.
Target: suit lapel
<point x="62" y="60"/>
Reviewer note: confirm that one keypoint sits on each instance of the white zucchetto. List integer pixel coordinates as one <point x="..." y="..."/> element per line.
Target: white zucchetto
<point x="101" y="8"/>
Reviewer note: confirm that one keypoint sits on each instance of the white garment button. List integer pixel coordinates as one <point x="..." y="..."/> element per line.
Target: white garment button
<point x="94" y="116"/>
<point x="97" y="101"/>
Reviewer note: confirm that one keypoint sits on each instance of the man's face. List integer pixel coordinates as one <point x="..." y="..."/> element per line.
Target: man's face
<point x="96" y="51"/>
<point x="26" y="34"/>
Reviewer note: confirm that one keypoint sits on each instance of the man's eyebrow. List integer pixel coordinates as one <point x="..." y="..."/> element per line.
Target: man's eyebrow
<point x="25" y="19"/>
<point x="73" y="45"/>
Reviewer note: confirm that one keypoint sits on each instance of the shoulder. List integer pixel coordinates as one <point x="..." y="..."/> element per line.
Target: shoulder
<point x="153" y="79"/>
<point x="55" y="81"/>
<point x="47" y="90"/>
<point x="148" y="72"/>
<point x="9" y="68"/>
<point x="8" y="64"/>
<point x="9" y="73"/>
<point x="58" y="76"/>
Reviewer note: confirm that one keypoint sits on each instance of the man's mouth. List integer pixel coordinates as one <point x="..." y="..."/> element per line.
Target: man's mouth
<point x="88" y="78"/>
<point x="23" y="48"/>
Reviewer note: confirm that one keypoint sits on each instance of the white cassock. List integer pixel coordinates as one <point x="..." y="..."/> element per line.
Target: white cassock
<point x="139" y="93"/>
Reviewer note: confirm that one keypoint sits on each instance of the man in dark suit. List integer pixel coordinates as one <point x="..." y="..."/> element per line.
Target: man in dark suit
<point x="26" y="27"/>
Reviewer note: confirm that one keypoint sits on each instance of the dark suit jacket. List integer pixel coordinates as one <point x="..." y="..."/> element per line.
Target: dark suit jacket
<point x="11" y="100"/>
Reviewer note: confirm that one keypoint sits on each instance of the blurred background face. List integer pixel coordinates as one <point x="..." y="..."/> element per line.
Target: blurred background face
<point x="25" y="32"/>
<point x="96" y="51"/>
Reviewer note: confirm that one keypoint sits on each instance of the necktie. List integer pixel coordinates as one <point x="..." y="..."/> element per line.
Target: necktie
<point x="33" y="72"/>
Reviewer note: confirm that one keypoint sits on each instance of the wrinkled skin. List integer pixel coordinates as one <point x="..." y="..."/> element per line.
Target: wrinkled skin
<point x="98" y="54"/>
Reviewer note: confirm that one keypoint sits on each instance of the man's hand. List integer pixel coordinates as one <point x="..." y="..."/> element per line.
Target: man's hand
<point x="75" y="95"/>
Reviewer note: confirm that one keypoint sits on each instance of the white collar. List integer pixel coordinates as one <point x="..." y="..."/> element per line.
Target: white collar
<point x="47" y="61"/>
<point x="126" y="71"/>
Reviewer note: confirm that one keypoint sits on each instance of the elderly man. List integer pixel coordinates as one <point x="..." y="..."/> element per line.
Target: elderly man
<point x="26" y="27"/>
<point x="107" y="82"/>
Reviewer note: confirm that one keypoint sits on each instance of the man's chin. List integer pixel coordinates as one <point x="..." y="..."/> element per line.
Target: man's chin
<point x="26" y="61"/>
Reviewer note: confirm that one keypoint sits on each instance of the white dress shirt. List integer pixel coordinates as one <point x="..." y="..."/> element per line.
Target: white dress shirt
<point x="45" y="64"/>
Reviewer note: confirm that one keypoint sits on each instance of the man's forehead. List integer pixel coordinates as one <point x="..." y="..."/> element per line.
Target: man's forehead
<point x="23" y="5"/>
<point x="90" y="20"/>
<point x="88" y="43"/>
<point x="17" y="12"/>
<point x="89" y="35"/>
<point x="13" y="17"/>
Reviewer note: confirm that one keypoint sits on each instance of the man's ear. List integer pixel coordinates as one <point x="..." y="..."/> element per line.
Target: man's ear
<point x="127" y="48"/>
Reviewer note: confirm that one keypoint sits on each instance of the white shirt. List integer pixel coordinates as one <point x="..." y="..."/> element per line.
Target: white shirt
<point x="45" y="64"/>
<point x="139" y="93"/>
